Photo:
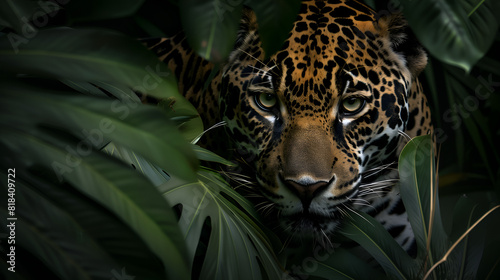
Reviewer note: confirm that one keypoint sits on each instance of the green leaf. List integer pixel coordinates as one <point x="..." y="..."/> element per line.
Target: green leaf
<point x="206" y="155"/>
<point x="469" y="252"/>
<point x="459" y="135"/>
<point x="490" y="264"/>
<point x="8" y="275"/>
<point x="375" y="239"/>
<point x="238" y="247"/>
<point x="149" y="27"/>
<point x="473" y="118"/>
<point x="275" y="19"/>
<point x="18" y="14"/>
<point x="55" y="238"/>
<point x="155" y="174"/>
<point x="456" y="32"/>
<point x="92" y="10"/>
<point x="490" y="65"/>
<point x="431" y="77"/>
<point x="122" y="92"/>
<point x="417" y="186"/>
<point x="84" y="87"/>
<point x="188" y="123"/>
<point x="90" y="56"/>
<point x="211" y="26"/>
<point x="114" y="185"/>
<point x="144" y="128"/>
<point x="329" y="263"/>
<point x="126" y="247"/>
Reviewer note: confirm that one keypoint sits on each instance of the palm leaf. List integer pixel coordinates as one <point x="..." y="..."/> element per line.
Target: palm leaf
<point x="469" y="252"/>
<point x="111" y="183"/>
<point x="237" y="248"/>
<point x="98" y="121"/>
<point x="211" y="26"/>
<point x="375" y="239"/>
<point x="418" y="190"/>
<point x="17" y="14"/>
<point x="329" y="263"/>
<point x="108" y="9"/>
<point x="112" y="235"/>
<point x="458" y="34"/>
<point x="275" y="20"/>
<point x="55" y="238"/>
<point x="90" y="56"/>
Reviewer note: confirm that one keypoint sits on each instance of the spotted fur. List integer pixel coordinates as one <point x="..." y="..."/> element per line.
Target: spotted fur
<point x="311" y="158"/>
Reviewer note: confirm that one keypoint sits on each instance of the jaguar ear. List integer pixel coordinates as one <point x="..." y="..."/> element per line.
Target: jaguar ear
<point x="247" y="38"/>
<point x="248" y="26"/>
<point x="404" y="42"/>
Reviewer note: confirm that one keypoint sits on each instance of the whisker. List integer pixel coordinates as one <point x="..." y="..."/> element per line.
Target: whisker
<point x="405" y="135"/>
<point x="197" y="138"/>
<point x="377" y="170"/>
<point x="258" y="60"/>
<point x="287" y="240"/>
<point x="262" y="62"/>
<point x="353" y="211"/>
<point x="343" y="212"/>
<point x="326" y="240"/>
<point x="360" y="201"/>
<point x="375" y="188"/>
<point x="389" y="182"/>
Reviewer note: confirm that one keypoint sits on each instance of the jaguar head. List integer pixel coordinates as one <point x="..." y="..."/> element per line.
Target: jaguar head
<point x="313" y="119"/>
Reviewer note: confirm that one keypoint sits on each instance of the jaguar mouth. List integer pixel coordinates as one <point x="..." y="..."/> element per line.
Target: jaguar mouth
<point x="308" y="224"/>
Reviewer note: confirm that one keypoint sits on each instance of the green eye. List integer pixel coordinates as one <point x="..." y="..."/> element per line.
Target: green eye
<point x="352" y="105"/>
<point x="266" y="101"/>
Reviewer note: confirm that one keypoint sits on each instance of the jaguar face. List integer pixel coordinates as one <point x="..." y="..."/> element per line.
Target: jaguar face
<point x="315" y="118"/>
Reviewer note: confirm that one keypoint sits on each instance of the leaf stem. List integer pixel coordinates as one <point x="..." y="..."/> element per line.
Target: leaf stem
<point x="432" y="212"/>
<point x="458" y="241"/>
<point x="475" y="8"/>
<point x="464" y="256"/>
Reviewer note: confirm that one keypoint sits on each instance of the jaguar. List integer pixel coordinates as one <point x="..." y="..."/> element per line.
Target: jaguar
<point x="317" y="126"/>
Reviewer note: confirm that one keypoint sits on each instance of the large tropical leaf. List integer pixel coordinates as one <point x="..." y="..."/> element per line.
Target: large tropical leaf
<point x="112" y="235"/>
<point x="456" y="32"/>
<point x="469" y="253"/>
<point x="55" y="238"/>
<point x="375" y="239"/>
<point x="490" y="265"/>
<point x="329" y="263"/>
<point x="145" y="128"/>
<point x="211" y="26"/>
<point x="418" y="187"/>
<point x="275" y="19"/>
<point x="108" y="9"/>
<point x="237" y="247"/>
<point x="468" y="113"/>
<point x="113" y="184"/>
<point x="18" y="15"/>
<point x="90" y="56"/>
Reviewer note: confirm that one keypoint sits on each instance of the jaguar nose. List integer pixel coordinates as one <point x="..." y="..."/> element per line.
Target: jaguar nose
<point x="307" y="191"/>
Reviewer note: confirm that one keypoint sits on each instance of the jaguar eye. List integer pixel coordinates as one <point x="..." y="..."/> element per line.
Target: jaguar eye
<point x="352" y="105"/>
<point x="266" y="101"/>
